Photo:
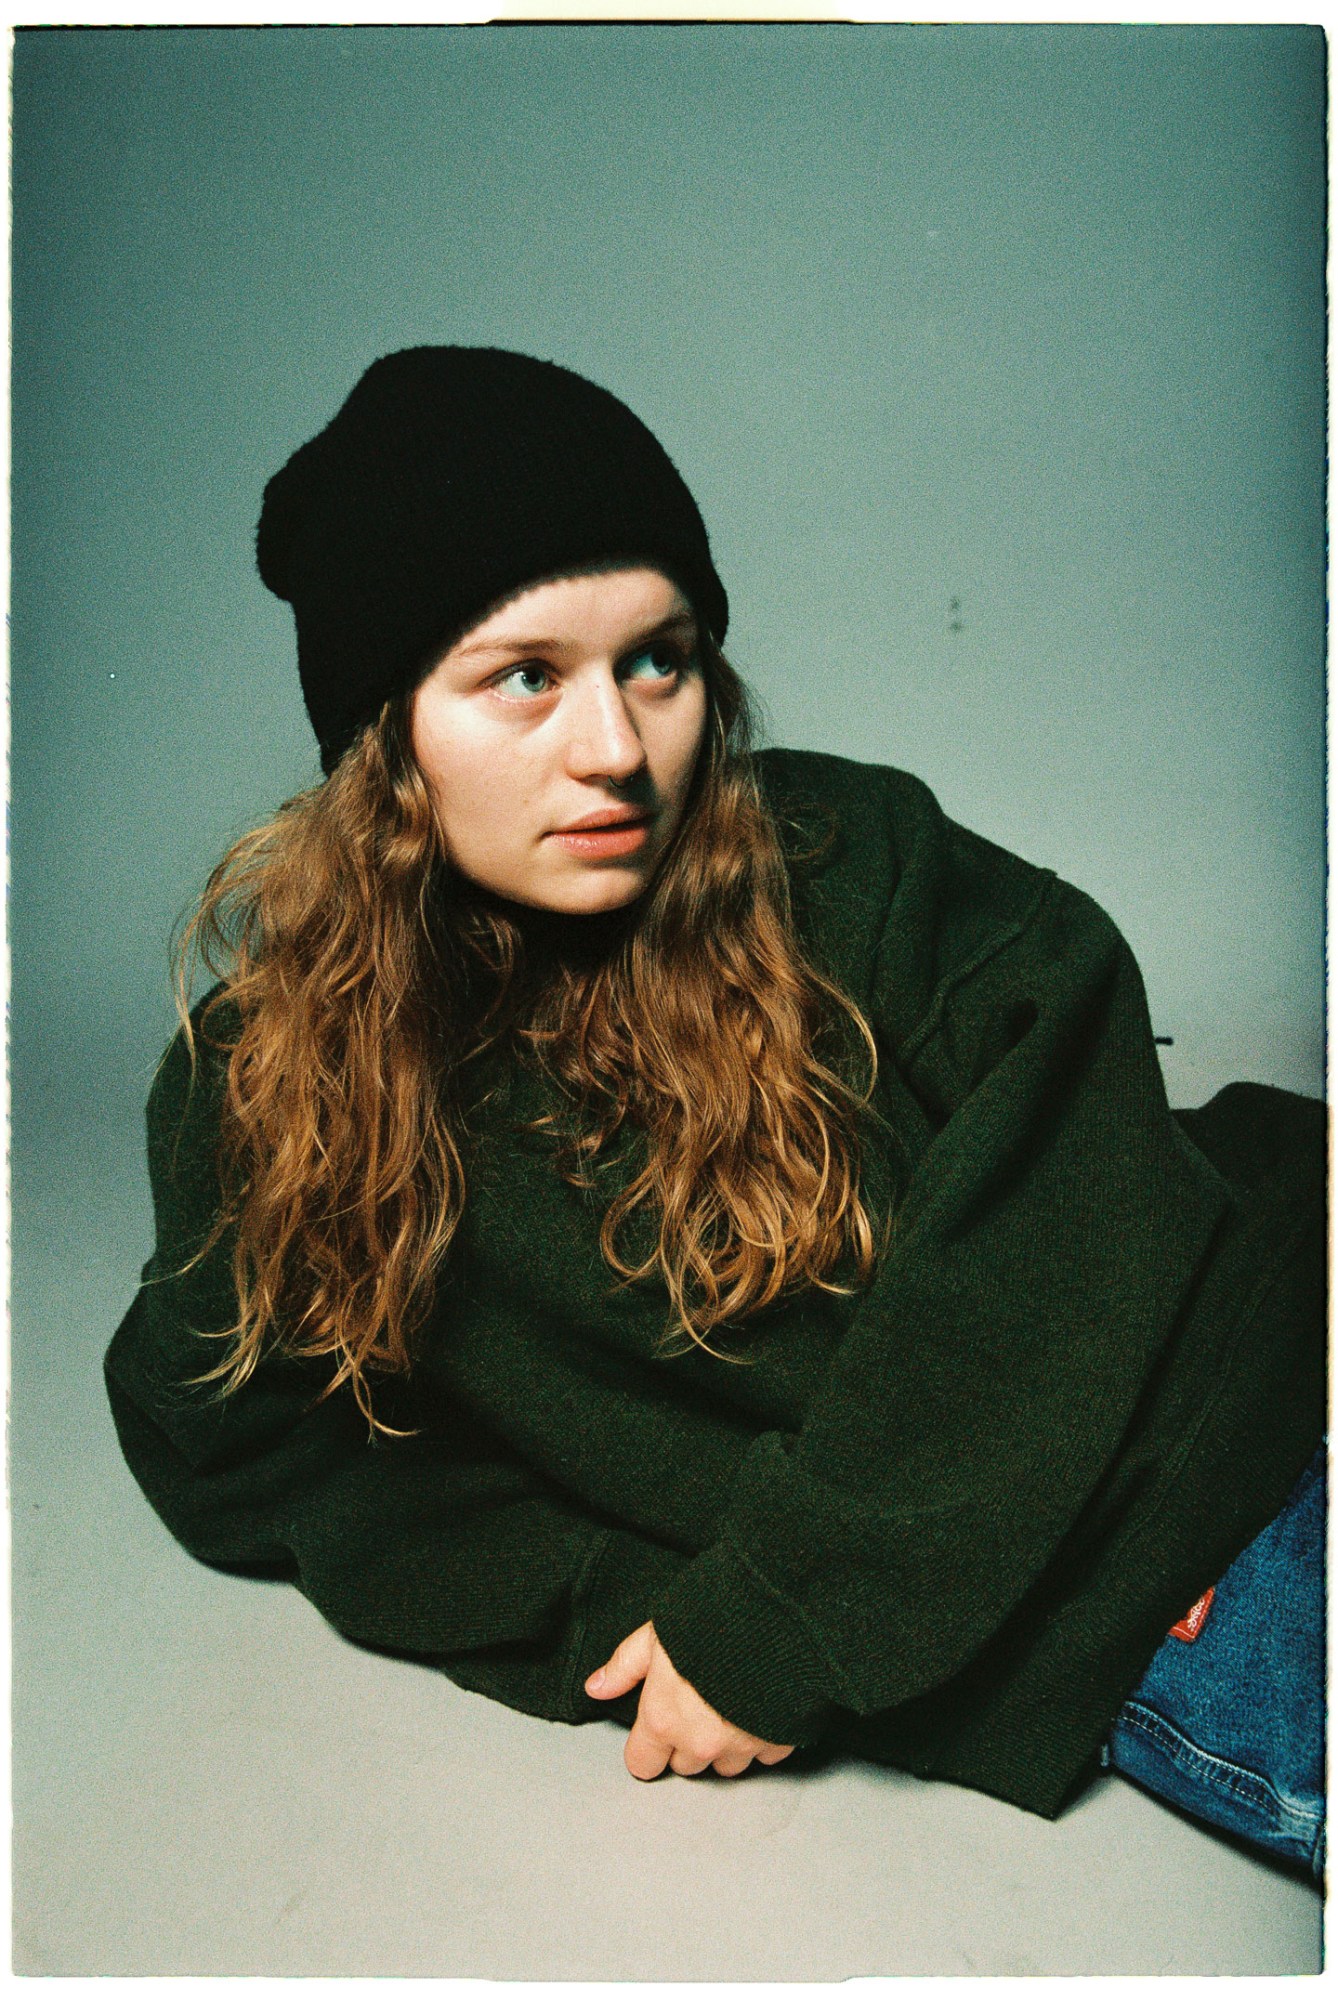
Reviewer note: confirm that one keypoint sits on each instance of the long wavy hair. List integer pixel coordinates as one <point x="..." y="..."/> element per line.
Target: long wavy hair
<point x="361" y="979"/>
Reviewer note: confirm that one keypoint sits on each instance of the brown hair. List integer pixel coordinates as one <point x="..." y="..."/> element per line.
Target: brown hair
<point x="366" y="976"/>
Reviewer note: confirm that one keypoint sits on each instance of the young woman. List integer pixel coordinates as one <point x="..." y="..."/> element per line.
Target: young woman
<point x="691" y="1234"/>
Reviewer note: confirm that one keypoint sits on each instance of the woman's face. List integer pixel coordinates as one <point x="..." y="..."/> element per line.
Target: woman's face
<point x="559" y="737"/>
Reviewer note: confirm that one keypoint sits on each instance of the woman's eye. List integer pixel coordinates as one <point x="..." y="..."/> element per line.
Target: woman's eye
<point x="523" y="683"/>
<point x="655" y="663"/>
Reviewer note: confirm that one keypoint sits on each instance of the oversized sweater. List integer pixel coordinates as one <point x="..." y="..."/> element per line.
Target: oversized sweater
<point x="945" y="1522"/>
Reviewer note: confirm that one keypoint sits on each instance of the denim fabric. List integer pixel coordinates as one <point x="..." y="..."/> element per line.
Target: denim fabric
<point x="1230" y="1726"/>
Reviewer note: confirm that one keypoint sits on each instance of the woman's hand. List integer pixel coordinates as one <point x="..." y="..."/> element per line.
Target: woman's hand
<point x="674" y="1726"/>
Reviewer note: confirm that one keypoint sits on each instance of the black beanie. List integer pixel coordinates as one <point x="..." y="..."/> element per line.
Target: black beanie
<point x="452" y="478"/>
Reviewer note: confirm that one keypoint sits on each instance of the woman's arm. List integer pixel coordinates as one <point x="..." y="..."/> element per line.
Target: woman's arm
<point x="1050" y="1243"/>
<point x="441" y="1544"/>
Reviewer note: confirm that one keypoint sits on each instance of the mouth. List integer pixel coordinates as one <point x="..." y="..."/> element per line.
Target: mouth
<point x="615" y="830"/>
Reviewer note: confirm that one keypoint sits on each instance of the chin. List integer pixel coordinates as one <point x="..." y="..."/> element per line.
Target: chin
<point x="595" y="895"/>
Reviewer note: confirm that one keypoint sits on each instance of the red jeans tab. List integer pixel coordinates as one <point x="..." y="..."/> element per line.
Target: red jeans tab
<point x="1190" y="1626"/>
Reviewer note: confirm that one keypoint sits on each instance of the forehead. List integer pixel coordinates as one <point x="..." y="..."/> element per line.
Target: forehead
<point x="589" y="605"/>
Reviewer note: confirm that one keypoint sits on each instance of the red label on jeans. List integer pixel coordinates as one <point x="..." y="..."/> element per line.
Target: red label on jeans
<point x="1190" y="1626"/>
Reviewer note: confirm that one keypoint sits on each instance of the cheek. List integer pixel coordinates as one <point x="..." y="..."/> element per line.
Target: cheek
<point x="484" y="804"/>
<point x="471" y="805"/>
<point x="688" y="739"/>
<point x="458" y="776"/>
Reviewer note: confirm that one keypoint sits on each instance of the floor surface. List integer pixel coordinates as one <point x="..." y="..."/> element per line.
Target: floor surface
<point x="208" y="1780"/>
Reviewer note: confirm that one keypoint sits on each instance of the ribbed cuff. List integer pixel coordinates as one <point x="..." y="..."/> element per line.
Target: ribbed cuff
<point x="744" y="1649"/>
<point x="617" y="1595"/>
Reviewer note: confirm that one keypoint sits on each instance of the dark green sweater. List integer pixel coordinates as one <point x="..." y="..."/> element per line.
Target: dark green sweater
<point x="946" y="1523"/>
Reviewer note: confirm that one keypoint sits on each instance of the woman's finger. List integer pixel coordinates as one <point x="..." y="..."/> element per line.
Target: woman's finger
<point x="625" y="1666"/>
<point x="644" y="1754"/>
<point x="772" y="1753"/>
<point x="731" y="1763"/>
<point x="686" y="1765"/>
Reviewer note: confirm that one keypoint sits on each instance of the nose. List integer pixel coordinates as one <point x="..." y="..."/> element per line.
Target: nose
<point x="603" y="742"/>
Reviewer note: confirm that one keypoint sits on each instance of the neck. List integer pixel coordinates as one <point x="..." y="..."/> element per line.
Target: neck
<point x="550" y="939"/>
<point x="554" y="937"/>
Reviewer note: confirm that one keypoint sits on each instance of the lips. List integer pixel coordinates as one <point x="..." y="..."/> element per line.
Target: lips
<point x="606" y="835"/>
<point x="608" y="816"/>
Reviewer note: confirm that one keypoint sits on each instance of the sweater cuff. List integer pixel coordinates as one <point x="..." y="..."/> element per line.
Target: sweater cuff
<point x="616" y="1596"/>
<point x="745" y="1649"/>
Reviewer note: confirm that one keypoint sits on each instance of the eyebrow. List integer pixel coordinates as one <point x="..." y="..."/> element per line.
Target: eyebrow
<point x="674" y="621"/>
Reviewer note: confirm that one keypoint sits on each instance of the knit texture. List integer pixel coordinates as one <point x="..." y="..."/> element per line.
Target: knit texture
<point x="451" y="478"/>
<point x="945" y="1524"/>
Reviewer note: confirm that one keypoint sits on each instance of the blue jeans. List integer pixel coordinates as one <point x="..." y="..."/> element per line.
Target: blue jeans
<point x="1230" y="1726"/>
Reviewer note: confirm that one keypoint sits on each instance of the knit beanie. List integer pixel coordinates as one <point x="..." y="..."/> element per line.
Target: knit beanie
<point x="451" y="479"/>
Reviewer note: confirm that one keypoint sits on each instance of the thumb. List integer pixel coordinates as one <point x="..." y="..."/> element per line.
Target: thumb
<point x="625" y="1666"/>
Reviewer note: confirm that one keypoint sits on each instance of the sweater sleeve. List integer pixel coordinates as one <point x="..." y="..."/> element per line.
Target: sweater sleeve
<point x="1048" y="1234"/>
<point x="441" y="1544"/>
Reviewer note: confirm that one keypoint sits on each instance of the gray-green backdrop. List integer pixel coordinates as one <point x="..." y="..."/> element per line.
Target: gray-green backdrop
<point x="993" y="355"/>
